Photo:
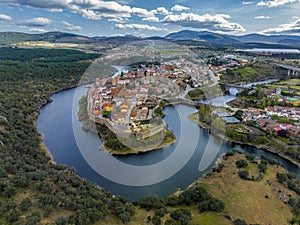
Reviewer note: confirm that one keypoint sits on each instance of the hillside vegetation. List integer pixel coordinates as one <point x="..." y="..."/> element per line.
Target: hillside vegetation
<point x="251" y="73"/>
<point x="33" y="190"/>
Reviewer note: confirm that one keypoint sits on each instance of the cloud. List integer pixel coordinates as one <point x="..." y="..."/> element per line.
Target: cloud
<point x="117" y="19"/>
<point x="95" y="15"/>
<point x="218" y="22"/>
<point x="37" y="30"/>
<point x="90" y="9"/>
<point x="179" y="8"/>
<point x="55" y="10"/>
<point x="5" y="17"/>
<point x="35" y="22"/>
<point x="151" y="19"/>
<point x="53" y="4"/>
<point x="113" y="11"/>
<point x="160" y="10"/>
<point x="275" y="3"/>
<point x="247" y="3"/>
<point x="137" y="27"/>
<point x="71" y="27"/>
<point x="141" y="12"/>
<point x="262" y="17"/>
<point x="288" y="28"/>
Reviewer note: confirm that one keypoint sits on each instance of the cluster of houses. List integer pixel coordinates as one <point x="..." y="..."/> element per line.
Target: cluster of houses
<point x="220" y="63"/>
<point x="118" y="104"/>
<point x="133" y="96"/>
<point x="283" y="100"/>
<point x="266" y="120"/>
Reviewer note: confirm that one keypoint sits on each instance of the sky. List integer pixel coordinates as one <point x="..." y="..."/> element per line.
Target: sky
<point x="150" y="17"/>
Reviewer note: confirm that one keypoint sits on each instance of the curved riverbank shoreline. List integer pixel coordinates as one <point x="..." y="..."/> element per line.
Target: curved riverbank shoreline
<point x="49" y="100"/>
<point x="136" y="152"/>
<point x="128" y="151"/>
<point x="263" y="147"/>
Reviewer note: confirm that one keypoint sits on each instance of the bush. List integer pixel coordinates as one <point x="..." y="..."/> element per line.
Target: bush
<point x="281" y="177"/>
<point x="269" y="160"/>
<point x="262" y="167"/>
<point x="239" y="222"/>
<point x="10" y="191"/>
<point x="293" y="186"/>
<point x="250" y="157"/>
<point x="156" y="220"/>
<point x="161" y="212"/>
<point x="181" y="215"/>
<point x="212" y="204"/>
<point x="244" y="174"/>
<point x="151" y="202"/>
<point x="61" y="221"/>
<point x="291" y="176"/>
<point x="25" y="204"/>
<point x="241" y="163"/>
<point x="219" y="168"/>
<point x="230" y="153"/>
<point x="33" y="218"/>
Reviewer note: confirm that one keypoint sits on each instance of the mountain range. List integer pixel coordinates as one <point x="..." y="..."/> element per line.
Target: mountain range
<point x="207" y="36"/>
<point x="182" y="37"/>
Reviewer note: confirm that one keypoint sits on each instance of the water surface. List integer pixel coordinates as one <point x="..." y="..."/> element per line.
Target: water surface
<point x="194" y="153"/>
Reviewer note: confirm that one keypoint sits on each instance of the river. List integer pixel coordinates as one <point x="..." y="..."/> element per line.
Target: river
<point x="160" y="172"/>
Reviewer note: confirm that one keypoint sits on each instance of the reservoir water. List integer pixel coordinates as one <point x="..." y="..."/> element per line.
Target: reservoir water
<point x="155" y="173"/>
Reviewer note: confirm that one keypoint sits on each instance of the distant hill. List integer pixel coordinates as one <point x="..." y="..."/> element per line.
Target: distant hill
<point x="184" y="37"/>
<point x="243" y="40"/>
<point x="55" y="37"/>
<point x="202" y="36"/>
<point x="275" y="39"/>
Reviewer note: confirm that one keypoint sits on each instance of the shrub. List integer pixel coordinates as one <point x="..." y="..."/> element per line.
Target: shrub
<point x="250" y="157"/>
<point x="262" y="167"/>
<point x="244" y="174"/>
<point x="212" y="204"/>
<point x="156" y="220"/>
<point x="281" y="177"/>
<point x="25" y="204"/>
<point x="241" y="163"/>
<point x="181" y="215"/>
<point x="239" y="222"/>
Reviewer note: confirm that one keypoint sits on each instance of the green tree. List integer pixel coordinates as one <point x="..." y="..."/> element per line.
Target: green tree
<point x="244" y="174"/>
<point x="25" y="204"/>
<point x="262" y="167"/>
<point x="241" y="163"/>
<point x="10" y="191"/>
<point x="239" y="222"/>
<point x="250" y="157"/>
<point x="33" y="218"/>
<point x="61" y="221"/>
<point x="125" y="217"/>
<point x="156" y="220"/>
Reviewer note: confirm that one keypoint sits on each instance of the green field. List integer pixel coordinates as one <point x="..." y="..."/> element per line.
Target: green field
<point x="253" y="72"/>
<point x="290" y="82"/>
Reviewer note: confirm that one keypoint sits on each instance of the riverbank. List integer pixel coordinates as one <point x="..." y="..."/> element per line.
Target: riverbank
<point x="141" y="150"/>
<point x="43" y="104"/>
<point x="193" y="117"/>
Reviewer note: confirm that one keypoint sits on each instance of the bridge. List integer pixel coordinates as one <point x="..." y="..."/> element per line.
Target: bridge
<point x="292" y="71"/>
<point x="184" y="101"/>
<point x="239" y="88"/>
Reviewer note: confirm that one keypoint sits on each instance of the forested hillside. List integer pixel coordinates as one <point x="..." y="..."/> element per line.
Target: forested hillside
<point x="31" y="188"/>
